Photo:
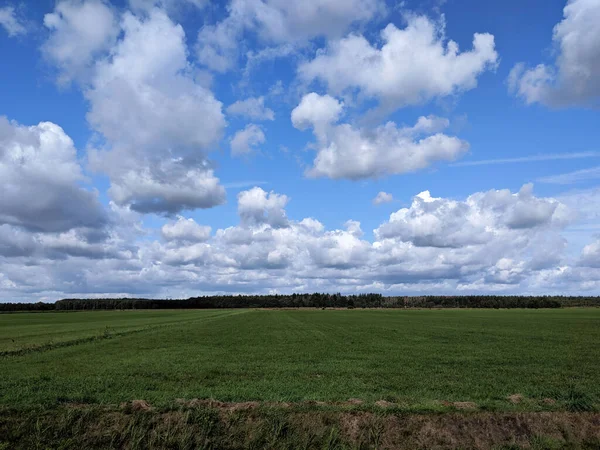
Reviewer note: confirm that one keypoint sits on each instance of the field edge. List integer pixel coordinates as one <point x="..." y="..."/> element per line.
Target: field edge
<point x="138" y="425"/>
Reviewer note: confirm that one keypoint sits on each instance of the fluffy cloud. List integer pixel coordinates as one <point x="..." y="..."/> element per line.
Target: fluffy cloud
<point x="158" y="121"/>
<point x="257" y="206"/>
<point x="252" y="108"/>
<point x="79" y="31"/>
<point x="574" y="78"/>
<point x="10" y="22"/>
<point x="15" y="242"/>
<point x="247" y="140"/>
<point x="383" y="197"/>
<point x="400" y="72"/>
<point x="317" y="111"/>
<point x="40" y="180"/>
<point x="185" y="230"/>
<point x="167" y="187"/>
<point x="46" y="214"/>
<point x="590" y="256"/>
<point x="489" y="242"/>
<point x="344" y="151"/>
<point x="278" y="21"/>
<point x="144" y="96"/>
<point x="480" y="219"/>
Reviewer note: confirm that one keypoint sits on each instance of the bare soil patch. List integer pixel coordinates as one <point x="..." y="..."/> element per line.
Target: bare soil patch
<point x="465" y="405"/>
<point x="515" y="398"/>
<point x="384" y="404"/>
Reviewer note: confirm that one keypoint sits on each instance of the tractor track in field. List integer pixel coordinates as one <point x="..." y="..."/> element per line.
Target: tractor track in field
<point x="106" y="335"/>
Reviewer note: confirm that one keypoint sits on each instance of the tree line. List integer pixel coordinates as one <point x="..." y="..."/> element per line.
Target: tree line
<point x="315" y="300"/>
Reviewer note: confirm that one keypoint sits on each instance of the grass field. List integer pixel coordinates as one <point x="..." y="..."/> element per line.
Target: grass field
<point x="417" y="360"/>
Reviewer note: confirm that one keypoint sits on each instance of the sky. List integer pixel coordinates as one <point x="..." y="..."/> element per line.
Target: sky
<point x="173" y="148"/>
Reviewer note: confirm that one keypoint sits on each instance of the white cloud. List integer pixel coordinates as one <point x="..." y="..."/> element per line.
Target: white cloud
<point x="383" y="197"/>
<point x="413" y="65"/>
<point x="79" y="31"/>
<point x="166" y="187"/>
<point x="252" y="108"/>
<point x="185" y="230"/>
<point x="247" y="140"/>
<point x="585" y="203"/>
<point x="590" y="255"/>
<point x="317" y="111"/>
<point x="10" y="22"/>
<point x="217" y="45"/>
<point x="430" y="124"/>
<point x="488" y="242"/>
<point x="344" y="151"/>
<point x="144" y="95"/>
<point x="40" y="180"/>
<point x="256" y="206"/>
<point x="158" y="121"/>
<point x="46" y="214"/>
<point x="482" y="218"/>
<point x="283" y="21"/>
<point x="278" y="21"/>
<point x="574" y="78"/>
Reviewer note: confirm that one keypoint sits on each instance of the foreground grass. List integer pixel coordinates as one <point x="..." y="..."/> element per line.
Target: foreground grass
<point x="416" y="360"/>
<point x="209" y="427"/>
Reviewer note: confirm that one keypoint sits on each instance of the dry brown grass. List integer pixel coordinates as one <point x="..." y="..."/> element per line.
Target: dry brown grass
<point x="210" y="424"/>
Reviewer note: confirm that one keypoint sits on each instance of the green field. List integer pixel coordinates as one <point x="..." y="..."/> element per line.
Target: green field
<point x="418" y="360"/>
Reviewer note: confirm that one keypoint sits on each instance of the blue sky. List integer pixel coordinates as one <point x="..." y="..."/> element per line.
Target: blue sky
<point x="304" y="136"/>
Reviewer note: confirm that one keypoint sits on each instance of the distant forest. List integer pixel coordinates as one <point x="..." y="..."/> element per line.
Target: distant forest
<point x="316" y="300"/>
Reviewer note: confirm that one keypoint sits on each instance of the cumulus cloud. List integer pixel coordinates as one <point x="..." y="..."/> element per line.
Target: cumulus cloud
<point x="15" y="242"/>
<point x="400" y="72"/>
<point x="590" y="256"/>
<point x="574" y="77"/>
<point x="40" y="180"/>
<point x="480" y="219"/>
<point x="345" y="151"/>
<point x="278" y="22"/>
<point x="383" y="197"/>
<point x="143" y="95"/>
<point x="488" y="242"/>
<point x="317" y="111"/>
<point x="10" y="22"/>
<point x="79" y="31"/>
<point x="247" y="140"/>
<point x="158" y="121"/>
<point x="258" y="206"/>
<point x="251" y="108"/>
<point x="46" y="213"/>
<point x="185" y="230"/>
<point x="167" y="187"/>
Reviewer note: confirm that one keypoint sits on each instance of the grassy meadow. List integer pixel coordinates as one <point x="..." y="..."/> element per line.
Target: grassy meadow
<point x="415" y="360"/>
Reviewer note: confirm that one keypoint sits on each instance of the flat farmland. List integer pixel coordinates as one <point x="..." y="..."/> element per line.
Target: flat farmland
<point x="415" y="360"/>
